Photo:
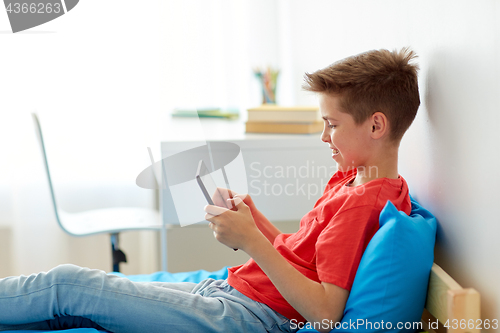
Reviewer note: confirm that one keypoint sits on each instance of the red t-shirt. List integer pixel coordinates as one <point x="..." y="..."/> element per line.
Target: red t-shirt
<point x="331" y="239"/>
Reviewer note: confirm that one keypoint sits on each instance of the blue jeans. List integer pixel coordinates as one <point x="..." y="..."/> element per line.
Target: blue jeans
<point x="69" y="296"/>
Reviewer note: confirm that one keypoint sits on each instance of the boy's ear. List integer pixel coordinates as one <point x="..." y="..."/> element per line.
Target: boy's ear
<point x="380" y="125"/>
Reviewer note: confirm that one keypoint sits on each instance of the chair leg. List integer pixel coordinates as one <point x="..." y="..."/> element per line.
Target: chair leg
<point x="117" y="254"/>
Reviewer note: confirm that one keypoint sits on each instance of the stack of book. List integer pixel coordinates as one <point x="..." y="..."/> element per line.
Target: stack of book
<point x="270" y="118"/>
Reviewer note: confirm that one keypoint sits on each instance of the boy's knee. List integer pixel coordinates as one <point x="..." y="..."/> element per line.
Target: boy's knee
<point x="65" y="273"/>
<point x="76" y="275"/>
<point x="65" y="269"/>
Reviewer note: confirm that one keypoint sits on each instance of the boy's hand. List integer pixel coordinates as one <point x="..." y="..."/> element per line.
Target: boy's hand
<point x="224" y="198"/>
<point x="233" y="228"/>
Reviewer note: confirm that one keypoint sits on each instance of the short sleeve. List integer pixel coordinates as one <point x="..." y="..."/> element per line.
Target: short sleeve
<point x="341" y="244"/>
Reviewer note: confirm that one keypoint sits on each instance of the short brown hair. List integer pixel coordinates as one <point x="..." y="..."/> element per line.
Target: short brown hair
<point x="377" y="80"/>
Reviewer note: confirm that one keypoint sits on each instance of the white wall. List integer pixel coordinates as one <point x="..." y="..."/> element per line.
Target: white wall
<point x="450" y="155"/>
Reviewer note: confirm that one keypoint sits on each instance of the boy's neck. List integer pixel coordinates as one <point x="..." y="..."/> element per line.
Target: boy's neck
<point x="384" y="166"/>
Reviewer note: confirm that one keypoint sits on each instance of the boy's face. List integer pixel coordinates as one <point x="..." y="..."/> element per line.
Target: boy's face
<point x="350" y="142"/>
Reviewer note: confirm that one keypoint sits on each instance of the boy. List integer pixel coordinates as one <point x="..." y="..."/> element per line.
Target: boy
<point x="367" y="103"/>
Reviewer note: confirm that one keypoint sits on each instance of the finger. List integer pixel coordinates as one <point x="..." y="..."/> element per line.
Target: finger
<point x="214" y="210"/>
<point x="223" y="194"/>
<point x="220" y="196"/>
<point x="245" y="197"/>
<point x="230" y="204"/>
<point x="226" y="193"/>
<point x="238" y="203"/>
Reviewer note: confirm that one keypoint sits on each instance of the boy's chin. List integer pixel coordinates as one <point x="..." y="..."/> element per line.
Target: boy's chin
<point x="344" y="167"/>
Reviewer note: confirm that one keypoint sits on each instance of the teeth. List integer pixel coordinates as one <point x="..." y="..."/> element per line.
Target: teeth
<point x="335" y="152"/>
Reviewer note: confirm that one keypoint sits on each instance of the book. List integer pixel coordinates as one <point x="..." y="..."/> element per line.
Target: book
<point x="290" y="128"/>
<point x="206" y="113"/>
<point x="275" y="113"/>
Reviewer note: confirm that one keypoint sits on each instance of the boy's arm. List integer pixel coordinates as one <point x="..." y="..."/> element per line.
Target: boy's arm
<point x="316" y="302"/>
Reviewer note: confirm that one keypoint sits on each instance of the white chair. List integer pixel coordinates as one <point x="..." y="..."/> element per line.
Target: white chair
<point x="110" y="220"/>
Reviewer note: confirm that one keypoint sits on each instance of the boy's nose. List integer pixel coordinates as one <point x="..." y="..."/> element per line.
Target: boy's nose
<point x="325" y="137"/>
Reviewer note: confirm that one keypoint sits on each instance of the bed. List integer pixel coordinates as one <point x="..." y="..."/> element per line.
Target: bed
<point x="449" y="307"/>
<point x="396" y="279"/>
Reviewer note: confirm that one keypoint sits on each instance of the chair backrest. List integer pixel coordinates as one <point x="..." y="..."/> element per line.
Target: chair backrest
<point x="38" y="130"/>
<point x="457" y="309"/>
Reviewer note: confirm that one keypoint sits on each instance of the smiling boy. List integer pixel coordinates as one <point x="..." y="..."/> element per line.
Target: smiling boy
<point x="367" y="102"/>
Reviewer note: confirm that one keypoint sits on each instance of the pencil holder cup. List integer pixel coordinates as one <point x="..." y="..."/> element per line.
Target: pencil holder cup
<point x="267" y="79"/>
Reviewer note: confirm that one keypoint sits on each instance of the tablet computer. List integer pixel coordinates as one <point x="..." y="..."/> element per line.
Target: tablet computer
<point x="207" y="184"/>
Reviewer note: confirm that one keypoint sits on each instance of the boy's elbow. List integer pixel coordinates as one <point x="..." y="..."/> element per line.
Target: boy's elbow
<point x="330" y="310"/>
<point x="326" y="320"/>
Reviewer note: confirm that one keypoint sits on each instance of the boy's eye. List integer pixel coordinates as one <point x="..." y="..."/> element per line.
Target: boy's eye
<point x="327" y="123"/>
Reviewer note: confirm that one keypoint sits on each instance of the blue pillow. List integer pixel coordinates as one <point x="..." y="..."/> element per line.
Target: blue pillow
<point x="389" y="290"/>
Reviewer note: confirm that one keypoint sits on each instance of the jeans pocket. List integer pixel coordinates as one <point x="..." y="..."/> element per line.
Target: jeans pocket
<point x="208" y="287"/>
<point x="275" y="322"/>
